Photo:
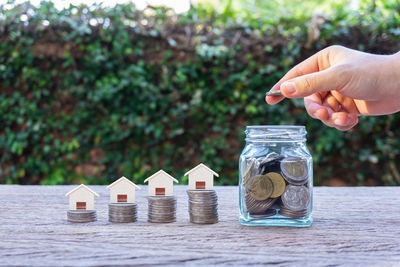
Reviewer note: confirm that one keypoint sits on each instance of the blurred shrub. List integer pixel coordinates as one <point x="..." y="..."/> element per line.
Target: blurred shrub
<point x="89" y="93"/>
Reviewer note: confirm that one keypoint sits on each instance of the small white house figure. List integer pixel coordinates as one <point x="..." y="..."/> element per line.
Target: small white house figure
<point x="81" y="198"/>
<point x="201" y="178"/>
<point x="161" y="184"/>
<point x="122" y="191"/>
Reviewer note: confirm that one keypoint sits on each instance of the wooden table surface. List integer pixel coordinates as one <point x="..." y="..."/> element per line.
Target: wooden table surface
<point x="352" y="226"/>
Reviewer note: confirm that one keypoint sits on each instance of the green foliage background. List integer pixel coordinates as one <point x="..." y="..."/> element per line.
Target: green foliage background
<point x="88" y="94"/>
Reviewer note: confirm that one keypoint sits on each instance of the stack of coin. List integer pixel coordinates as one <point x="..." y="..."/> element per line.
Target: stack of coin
<point x="295" y="201"/>
<point x="293" y="214"/>
<point x="122" y="212"/>
<point x="262" y="193"/>
<point x="294" y="170"/>
<point x="162" y="209"/>
<point x="256" y="206"/>
<point x="276" y="177"/>
<point x="264" y="214"/>
<point x="81" y="216"/>
<point x="203" y="206"/>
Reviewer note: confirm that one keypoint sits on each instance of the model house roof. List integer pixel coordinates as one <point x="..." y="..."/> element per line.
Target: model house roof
<point x="123" y="178"/>
<point x="161" y="172"/>
<point x="82" y="186"/>
<point x="201" y="165"/>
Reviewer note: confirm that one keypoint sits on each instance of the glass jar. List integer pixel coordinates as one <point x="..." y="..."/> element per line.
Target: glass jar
<point x="275" y="177"/>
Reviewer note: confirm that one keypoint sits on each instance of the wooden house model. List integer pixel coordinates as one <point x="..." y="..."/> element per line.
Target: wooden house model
<point x="161" y="184"/>
<point x="122" y="191"/>
<point x="81" y="198"/>
<point x="201" y="178"/>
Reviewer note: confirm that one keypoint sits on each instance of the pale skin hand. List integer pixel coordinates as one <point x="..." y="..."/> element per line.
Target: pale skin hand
<point x="339" y="84"/>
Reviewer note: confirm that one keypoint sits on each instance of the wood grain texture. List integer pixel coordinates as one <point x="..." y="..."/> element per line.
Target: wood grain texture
<point x="356" y="226"/>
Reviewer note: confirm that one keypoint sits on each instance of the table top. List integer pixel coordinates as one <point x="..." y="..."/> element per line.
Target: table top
<point x="352" y="226"/>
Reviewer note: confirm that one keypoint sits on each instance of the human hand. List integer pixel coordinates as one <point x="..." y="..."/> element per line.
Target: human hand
<point x="339" y="84"/>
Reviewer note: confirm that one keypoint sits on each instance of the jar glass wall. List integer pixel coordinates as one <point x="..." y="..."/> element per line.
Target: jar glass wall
<point x="275" y="177"/>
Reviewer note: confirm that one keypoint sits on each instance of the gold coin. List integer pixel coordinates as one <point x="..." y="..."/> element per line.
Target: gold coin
<point x="260" y="187"/>
<point x="279" y="184"/>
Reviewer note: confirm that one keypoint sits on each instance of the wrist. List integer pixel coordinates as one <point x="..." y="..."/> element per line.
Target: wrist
<point x="391" y="74"/>
<point x="396" y="72"/>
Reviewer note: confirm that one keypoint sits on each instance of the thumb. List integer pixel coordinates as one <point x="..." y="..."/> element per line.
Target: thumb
<point x="302" y="86"/>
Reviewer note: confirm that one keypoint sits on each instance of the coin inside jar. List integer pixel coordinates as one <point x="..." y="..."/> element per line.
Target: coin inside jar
<point x="278" y="182"/>
<point x="294" y="170"/>
<point x="267" y="213"/>
<point x="271" y="163"/>
<point x="296" y="197"/>
<point x="260" y="187"/>
<point x="255" y="206"/>
<point x="248" y="173"/>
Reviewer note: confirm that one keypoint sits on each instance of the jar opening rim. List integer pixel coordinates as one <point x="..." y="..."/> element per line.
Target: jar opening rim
<point x="275" y="133"/>
<point x="275" y="126"/>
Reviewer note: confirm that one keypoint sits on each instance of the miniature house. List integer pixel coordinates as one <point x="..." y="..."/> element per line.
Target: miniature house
<point x="201" y="178"/>
<point x="122" y="191"/>
<point x="81" y="198"/>
<point x="161" y="184"/>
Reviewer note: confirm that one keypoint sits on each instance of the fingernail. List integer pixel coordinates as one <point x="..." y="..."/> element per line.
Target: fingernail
<point x="288" y="87"/>
<point x="337" y="122"/>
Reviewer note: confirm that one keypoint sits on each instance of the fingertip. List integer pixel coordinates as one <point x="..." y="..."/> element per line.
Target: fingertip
<point x="322" y="114"/>
<point x="347" y="127"/>
<point x="272" y="100"/>
<point x="288" y="89"/>
<point x="352" y="118"/>
<point x="344" y="119"/>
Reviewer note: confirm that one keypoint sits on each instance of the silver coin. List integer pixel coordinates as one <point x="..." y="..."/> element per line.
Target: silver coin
<point x="293" y="214"/>
<point x="81" y="212"/>
<point x="162" y="199"/>
<point x="81" y="216"/>
<point x="201" y="192"/>
<point x="274" y="93"/>
<point x="122" y="215"/>
<point x="296" y="197"/>
<point x="162" y="215"/>
<point x="203" y="220"/>
<point x="199" y="221"/>
<point x="161" y="208"/>
<point x="204" y="197"/>
<point x="82" y="221"/>
<point x="165" y="216"/>
<point x="122" y="210"/>
<point x="294" y="170"/>
<point x="202" y="210"/>
<point x="196" y="206"/>
<point x="122" y="205"/>
<point x="122" y="221"/>
<point x="161" y="221"/>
